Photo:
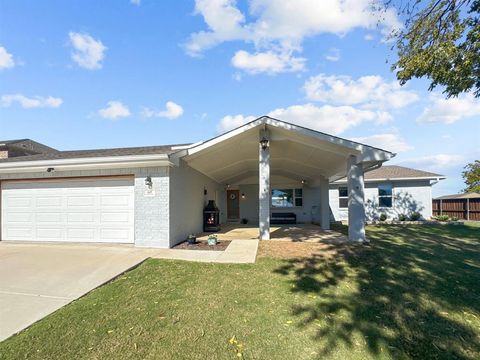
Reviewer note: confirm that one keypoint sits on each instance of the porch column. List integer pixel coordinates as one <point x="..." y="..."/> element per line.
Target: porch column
<point x="356" y="200"/>
<point x="264" y="197"/>
<point x="324" y="205"/>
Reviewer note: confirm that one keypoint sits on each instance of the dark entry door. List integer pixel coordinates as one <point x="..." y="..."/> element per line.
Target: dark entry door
<point x="233" y="205"/>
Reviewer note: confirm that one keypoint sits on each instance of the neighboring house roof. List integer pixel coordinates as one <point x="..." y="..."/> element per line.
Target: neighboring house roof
<point x="471" y="195"/>
<point x="26" y="147"/>
<point x="395" y="172"/>
<point x="76" y="154"/>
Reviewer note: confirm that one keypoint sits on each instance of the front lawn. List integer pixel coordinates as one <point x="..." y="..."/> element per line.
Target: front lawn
<point x="413" y="293"/>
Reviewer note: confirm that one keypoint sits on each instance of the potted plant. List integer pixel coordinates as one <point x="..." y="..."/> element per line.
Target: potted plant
<point x="191" y="239"/>
<point x="212" y="239"/>
<point x="383" y="217"/>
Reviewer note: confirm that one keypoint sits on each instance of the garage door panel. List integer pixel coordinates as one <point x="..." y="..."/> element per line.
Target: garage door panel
<point x="50" y="234"/>
<point x="69" y="210"/>
<point x="49" y="201"/>
<point x="48" y="217"/>
<point x="82" y="234"/>
<point x="109" y="235"/>
<point x="18" y="201"/>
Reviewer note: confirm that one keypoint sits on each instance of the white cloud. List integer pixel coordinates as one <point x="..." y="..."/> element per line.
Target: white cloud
<point x="450" y="110"/>
<point x="282" y="26"/>
<point x="369" y="91"/>
<point x="230" y="122"/>
<point x="88" y="52"/>
<point x="31" y="102"/>
<point x="114" y="110"/>
<point x="136" y="2"/>
<point x="436" y="163"/>
<point x="172" y="111"/>
<point x="267" y="62"/>
<point x="326" y="118"/>
<point x="388" y="141"/>
<point x="6" y="59"/>
<point x="333" y="55"/>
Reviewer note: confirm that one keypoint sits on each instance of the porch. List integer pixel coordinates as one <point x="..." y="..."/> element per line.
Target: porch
<point x="269" y="169"/>
<point x="310" y="233"/>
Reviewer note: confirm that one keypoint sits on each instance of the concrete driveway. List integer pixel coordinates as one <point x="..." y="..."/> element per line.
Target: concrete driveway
<point x="36" y="280"/>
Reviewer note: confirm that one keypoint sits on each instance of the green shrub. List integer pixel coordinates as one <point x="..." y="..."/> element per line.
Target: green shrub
<point x="383" y="217"/>
<point x="415" y="216"/>
<point x="454" y="218"/>
<point x="442" y="218"/>
<point x="402" y="217"/>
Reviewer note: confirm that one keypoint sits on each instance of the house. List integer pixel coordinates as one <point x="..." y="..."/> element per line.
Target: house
<point x="391" y="190"/>
<point x="154" y="196"/>
<point x="462" y="206"/>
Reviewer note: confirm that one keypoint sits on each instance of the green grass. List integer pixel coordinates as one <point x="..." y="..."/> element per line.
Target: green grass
<point x="413" y="293"/>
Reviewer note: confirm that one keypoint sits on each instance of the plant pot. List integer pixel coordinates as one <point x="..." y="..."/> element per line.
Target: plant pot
<point x="192" y="241"/>
<point x="212" y="241"/>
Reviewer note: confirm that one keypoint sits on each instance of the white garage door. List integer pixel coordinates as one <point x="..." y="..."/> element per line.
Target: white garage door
<point x="84" y="210"/>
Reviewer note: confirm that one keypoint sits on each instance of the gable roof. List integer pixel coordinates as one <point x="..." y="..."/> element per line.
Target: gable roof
<point x="27" y="146"/>
<point x="470" y="195"/>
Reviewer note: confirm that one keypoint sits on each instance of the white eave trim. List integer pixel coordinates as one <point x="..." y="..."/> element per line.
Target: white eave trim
<point x="396" y="179"/>
<point x="87" y="163"/>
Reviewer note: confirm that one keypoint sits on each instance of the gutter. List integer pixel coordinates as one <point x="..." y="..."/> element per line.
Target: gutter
<point x="87" y="163"/>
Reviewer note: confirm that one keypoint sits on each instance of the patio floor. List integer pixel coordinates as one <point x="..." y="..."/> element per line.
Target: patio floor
<point x="294" y="233"/>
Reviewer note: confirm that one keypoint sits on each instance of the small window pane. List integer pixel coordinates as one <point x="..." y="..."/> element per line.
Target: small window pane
<point x="298" y="192"/>
<point x="298" y="202"/>
<point x="342" y="191"/>
<point x="385" y="201"/>
<point x="343" y="202"/>
<point x="282" y="198"/>
<point x="384" y="190"/>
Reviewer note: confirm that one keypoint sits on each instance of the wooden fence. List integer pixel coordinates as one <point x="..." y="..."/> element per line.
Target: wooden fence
<point x="466" y="209"/>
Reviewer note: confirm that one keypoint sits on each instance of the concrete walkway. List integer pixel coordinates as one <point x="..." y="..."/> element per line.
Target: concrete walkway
<point x="238" y="252"/>
<point x="38" y="279"/>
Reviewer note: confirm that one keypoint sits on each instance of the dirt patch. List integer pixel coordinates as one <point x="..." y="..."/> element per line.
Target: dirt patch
<point x="203" y="245"/>
<point x="287" y="250"/>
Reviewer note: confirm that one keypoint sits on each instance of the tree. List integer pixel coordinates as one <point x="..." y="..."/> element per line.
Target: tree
<point x="440" y="41"/>
<point x="471" y="176"/>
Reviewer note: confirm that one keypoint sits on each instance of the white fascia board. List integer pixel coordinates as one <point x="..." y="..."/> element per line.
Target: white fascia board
<point x="106" y="162"/>
<point x="396" y="179"/>
<point x="364" y="153"/>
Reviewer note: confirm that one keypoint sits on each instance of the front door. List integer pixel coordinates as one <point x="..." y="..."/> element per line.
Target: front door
<point x="233" y="205"/>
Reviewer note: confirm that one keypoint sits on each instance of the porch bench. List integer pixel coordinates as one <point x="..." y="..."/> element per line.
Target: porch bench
<point x="283" y="218"/>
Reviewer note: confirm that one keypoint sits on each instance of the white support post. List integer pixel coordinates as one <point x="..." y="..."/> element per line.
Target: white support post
<point x="264" y="196"/>
<point x="356" y="200"/>
<point x="324" y="205"/>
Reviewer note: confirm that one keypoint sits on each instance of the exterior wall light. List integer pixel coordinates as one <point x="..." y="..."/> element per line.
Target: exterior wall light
<point x="50" y="169"/>
<point x="148" y="181"/>
<point x="304" y="182"/>
<point x="243" y="195"/>
<point x="264" y="143"/>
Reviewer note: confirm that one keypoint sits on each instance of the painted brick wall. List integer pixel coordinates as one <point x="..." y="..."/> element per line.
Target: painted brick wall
<point x="152" y="210"/>
<point x="187" y="201"/>
<point x="409" y="196"/>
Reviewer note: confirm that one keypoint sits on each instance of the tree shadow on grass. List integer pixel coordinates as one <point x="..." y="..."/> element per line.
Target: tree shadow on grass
<point x="412" y="293"/>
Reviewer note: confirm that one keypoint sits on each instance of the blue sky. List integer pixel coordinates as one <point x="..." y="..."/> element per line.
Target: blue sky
<point x="95" y="74"/>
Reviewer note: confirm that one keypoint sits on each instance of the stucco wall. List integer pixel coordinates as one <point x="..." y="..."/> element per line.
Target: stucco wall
<point x="151" y="207"/>
<point x="408" y="197"/>
<point x="187" y="201"/>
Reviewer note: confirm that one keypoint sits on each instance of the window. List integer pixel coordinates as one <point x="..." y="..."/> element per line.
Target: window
<point x="385" y="195"/>
<point x="287" y="197"/>
<point x="343" y="197"/>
